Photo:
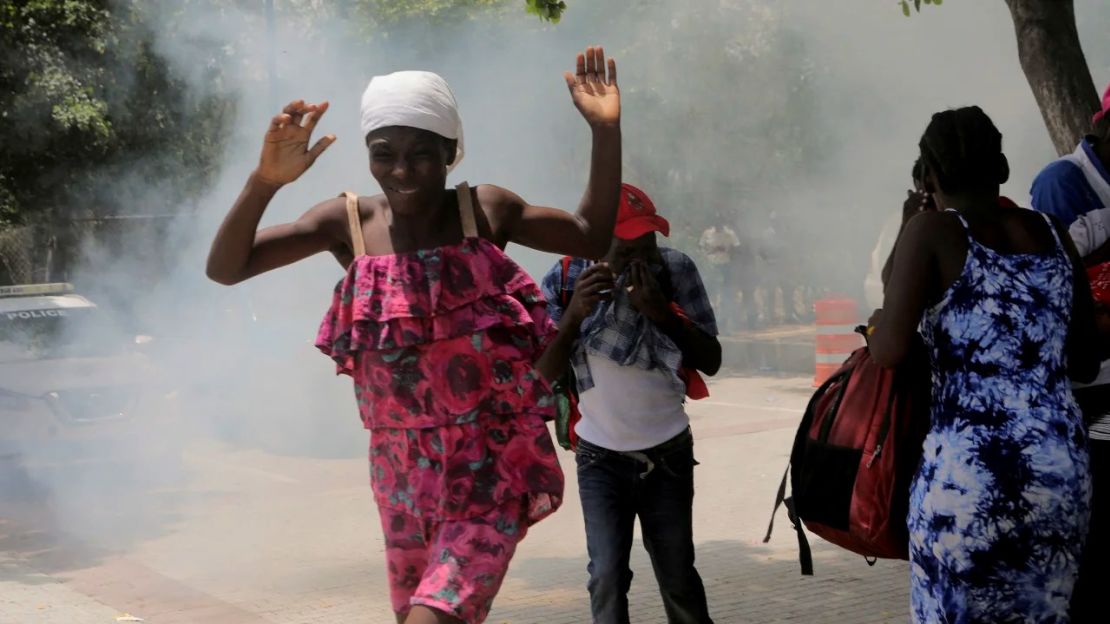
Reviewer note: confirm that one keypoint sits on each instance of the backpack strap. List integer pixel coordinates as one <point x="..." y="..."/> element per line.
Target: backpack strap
<point x="563" y="296"/>
<point x="354" y="221"/>
<point x="466" y="210"/>
<point x="805" y="553"/>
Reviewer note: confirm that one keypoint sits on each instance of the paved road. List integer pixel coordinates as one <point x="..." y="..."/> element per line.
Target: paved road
<point x="248" y="537"/>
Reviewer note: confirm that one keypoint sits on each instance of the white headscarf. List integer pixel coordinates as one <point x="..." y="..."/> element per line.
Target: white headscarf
<point x="417" y="99"/>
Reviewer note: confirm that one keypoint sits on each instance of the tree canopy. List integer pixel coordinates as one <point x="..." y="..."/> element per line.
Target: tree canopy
<point x="85" y="94"/>
<point x="917" y="5"/>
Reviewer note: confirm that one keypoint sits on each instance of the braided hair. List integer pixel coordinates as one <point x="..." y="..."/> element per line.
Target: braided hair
<point x="963" y="148"/>
<point x="918" y="171"/>
<point x="1102" y="128"/>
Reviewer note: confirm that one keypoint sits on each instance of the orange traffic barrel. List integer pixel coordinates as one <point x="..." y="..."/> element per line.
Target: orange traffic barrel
<point x="836" y="336"/>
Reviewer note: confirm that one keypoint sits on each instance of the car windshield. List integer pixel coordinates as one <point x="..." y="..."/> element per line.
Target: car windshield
<point x="83" y="333"/>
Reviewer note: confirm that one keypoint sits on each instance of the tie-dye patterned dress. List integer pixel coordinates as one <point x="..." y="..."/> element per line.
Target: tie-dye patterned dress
<point x="999" y="508"/>
<point x="441" y="345"/>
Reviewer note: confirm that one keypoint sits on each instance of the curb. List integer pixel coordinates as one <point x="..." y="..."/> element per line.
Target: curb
<point x="783" y="349"/>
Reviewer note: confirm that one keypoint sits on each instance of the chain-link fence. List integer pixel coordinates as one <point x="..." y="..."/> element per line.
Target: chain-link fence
<point x="17" y="255"/>
<point x="41" y="252"/>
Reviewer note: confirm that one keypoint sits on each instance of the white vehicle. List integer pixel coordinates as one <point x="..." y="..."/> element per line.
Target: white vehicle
<point x="75" y="388"/>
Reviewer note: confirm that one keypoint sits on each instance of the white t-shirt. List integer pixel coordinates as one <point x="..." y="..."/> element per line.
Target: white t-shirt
<point x="717" y="243"/>
<point x="873" y="283"/>
<point x="629" y="408"/>
<point x="1089" y="232"/>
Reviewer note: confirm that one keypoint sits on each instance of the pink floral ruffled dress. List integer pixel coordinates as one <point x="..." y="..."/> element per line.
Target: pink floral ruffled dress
<point x="441" y="345"/>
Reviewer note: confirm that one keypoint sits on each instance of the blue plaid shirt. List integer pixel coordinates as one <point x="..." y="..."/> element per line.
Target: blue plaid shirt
<point x="617" y="331"/>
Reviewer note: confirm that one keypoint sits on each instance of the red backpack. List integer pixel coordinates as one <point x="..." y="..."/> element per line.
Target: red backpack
<point x="568" y="414"/>
<point x="855" y="455"/>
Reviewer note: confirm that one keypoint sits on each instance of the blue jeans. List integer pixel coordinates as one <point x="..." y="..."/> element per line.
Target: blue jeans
<point x="657" y="485"/>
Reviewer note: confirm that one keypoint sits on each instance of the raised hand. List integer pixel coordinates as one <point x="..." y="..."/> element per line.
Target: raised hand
<point x="285" y="152"/>
<point x="594" y="93"/>
<point x="644" y="293"/>
<point x="916" y="203"/>
<point x="593" y="285"/>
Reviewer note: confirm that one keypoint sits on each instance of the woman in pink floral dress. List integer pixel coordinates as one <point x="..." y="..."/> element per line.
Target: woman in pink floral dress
<point x="439" y="329"/>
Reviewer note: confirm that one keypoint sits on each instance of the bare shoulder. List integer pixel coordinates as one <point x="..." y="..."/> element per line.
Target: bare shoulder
<point x="1035" y="221"/>
<point x="498" y="202"/>
<point x="324" y="216"/>
<point x="933" y="225"/>
<point x="334" y="210"/>
<point x="330" y="216"/>
<point x="370" y="207"/>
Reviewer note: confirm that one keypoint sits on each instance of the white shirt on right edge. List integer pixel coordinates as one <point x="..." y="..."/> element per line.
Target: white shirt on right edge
<point x="1089" y="232"/>
<point x="629" y="408"/>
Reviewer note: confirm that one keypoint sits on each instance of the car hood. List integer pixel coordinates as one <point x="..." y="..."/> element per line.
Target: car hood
<point x="40" y="377"/>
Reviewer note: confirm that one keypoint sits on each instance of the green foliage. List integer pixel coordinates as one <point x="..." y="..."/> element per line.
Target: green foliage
<point x="386" y="12"/>
<point x="87" y="99"/>
<point x="917" y="5"/>
<point x="547" y="10"/>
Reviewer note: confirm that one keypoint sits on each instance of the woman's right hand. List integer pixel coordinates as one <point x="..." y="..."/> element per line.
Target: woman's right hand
<point x="285" y="152"/>
<point x="594" y="284"/>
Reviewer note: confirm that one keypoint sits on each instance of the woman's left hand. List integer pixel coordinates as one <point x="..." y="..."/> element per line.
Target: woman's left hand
<point x="645" y="295"/>
<point x="594" y="93"/>
<point x="916" y="203"/>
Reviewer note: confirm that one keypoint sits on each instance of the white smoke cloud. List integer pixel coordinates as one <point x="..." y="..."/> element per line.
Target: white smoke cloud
<point x="242" y="358"/>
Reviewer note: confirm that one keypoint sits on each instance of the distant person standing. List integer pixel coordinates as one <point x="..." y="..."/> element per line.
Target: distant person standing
<point x="1075" y="188"/>
<point x="778" y="272"/>
<point x="720" y="244"/>
<point x="745" y="279"/>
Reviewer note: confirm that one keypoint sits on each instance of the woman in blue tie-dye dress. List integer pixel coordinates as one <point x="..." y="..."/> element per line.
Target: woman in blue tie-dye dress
<point x="999" y="506"/>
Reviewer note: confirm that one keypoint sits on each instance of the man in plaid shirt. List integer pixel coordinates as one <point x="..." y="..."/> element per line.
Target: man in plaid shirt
<point x="631" y="324"/>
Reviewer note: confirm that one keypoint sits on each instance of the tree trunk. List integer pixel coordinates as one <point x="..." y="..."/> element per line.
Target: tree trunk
<point x="1054" y="65"/>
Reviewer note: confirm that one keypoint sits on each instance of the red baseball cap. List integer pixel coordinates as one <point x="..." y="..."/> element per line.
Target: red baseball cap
<point x="636" y="215"/>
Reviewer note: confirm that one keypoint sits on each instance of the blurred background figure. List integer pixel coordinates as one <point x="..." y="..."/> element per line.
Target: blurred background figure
<point x="720" y="245"/>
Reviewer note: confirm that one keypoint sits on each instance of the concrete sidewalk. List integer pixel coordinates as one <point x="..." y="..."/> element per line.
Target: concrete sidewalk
<point x="257" y="538"/>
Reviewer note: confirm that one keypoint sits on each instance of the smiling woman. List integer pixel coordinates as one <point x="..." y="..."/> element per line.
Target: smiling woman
<point x="439" y="329"/>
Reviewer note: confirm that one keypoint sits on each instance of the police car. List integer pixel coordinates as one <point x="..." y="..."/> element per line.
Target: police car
<point x="75" y="387"/>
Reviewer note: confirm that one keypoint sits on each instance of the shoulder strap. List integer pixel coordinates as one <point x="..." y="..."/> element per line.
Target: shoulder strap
<point x="1052" y="228"/>
<point x="805" y="553"/>
<point x="963" y="221"/>
<point x="358" y="244"/>
<point x="466" y="210"/>
<point x="563" y="294"/>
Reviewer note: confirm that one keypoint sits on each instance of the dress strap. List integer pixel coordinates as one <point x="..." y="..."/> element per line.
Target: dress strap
<point x="466" y="210"/>
<point x="358" y="244"/>
<point x="967" y="228"/>
<point x="1052" y="228"/>
<point x="959" y="216"/>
